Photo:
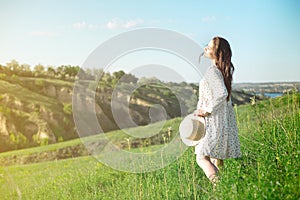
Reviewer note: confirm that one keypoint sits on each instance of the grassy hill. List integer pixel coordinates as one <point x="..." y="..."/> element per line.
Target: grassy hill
<point x="37" y="110"/>
<point x="269" y="168"/>
<point x="79" y="147"/>
<point x="29" y="117"/>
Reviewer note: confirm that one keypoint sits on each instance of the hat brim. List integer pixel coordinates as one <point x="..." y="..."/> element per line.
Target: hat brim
<point x="186" y="127"/>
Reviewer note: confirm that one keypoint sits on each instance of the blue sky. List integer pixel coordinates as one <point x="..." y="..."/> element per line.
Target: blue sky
<point x="264" y="35"/>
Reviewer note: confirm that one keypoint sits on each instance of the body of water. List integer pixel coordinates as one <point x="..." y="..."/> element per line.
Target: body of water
<point x="273" y="95"/>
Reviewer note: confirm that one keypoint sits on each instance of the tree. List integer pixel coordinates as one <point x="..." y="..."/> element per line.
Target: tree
<point x="106" y="77"/>
<point x="117" y="75"/>
<point x="25" y="70"/>
<point x="61" y="72"/>
<point x="39" y="70"/>
<point x="97" y="73"/>
<point x="51" y="71"/>
<point x="13" y="65"/>
<point x="129" y="78"/>
<point x="145" y="80"/>
<point x="71" y="71"/>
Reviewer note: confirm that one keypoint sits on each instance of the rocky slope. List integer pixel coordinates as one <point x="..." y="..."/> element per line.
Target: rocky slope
<point x="30" y="118"/>
<point x="38" y="111"/>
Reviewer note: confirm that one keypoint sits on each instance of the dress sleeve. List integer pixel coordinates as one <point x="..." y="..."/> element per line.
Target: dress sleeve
<point x="217" y="91"/>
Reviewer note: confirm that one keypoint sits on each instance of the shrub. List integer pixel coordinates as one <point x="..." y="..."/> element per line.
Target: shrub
<point x="68" y="108"/>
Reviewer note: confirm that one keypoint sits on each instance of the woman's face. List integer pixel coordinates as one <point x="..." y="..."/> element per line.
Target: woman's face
<point x="209" y="50"/>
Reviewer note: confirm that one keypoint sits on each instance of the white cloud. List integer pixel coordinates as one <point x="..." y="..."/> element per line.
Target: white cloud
<point x="83" y="25"/>
<point x="119" y="23"/>
<point x="79" y="25"/>
<point x="132" y="23"/>
<point x="209" y="19"/>
<point x="44" y="34"/>
<point x="113" y="24"/>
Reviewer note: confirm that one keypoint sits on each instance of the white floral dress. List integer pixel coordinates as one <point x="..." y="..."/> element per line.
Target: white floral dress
<point x="221" y="139"/>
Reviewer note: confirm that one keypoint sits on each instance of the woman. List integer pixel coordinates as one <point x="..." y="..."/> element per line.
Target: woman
<point x="221" y="140"/>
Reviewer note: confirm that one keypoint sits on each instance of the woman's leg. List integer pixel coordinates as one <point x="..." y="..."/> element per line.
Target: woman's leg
<point x="217" y="162"/>
<point x="207" y="166"/>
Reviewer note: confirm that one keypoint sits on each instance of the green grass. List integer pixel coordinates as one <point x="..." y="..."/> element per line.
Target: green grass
<point x="269" y="168"/>
<point x="27" y="95"/>
<point x="56" y="82"/>
<point x="118" y="138"/>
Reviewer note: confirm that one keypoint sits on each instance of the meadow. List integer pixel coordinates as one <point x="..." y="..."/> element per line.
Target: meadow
<point x="269" y="168"/>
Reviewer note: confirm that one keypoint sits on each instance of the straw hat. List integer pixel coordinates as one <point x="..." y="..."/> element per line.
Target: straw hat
<point x="192" y="129"/>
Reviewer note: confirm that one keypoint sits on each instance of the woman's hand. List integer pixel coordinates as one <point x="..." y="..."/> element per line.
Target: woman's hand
<point x="201" y="113"/>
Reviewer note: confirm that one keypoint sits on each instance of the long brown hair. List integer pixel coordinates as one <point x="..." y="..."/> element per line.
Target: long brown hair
<point x="222" y="56"/>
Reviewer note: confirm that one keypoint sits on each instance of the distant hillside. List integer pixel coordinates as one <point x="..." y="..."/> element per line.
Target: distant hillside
<point x="30" y="118"/>
<point x="261" y="88"/>
<point x="36" y="105"/>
